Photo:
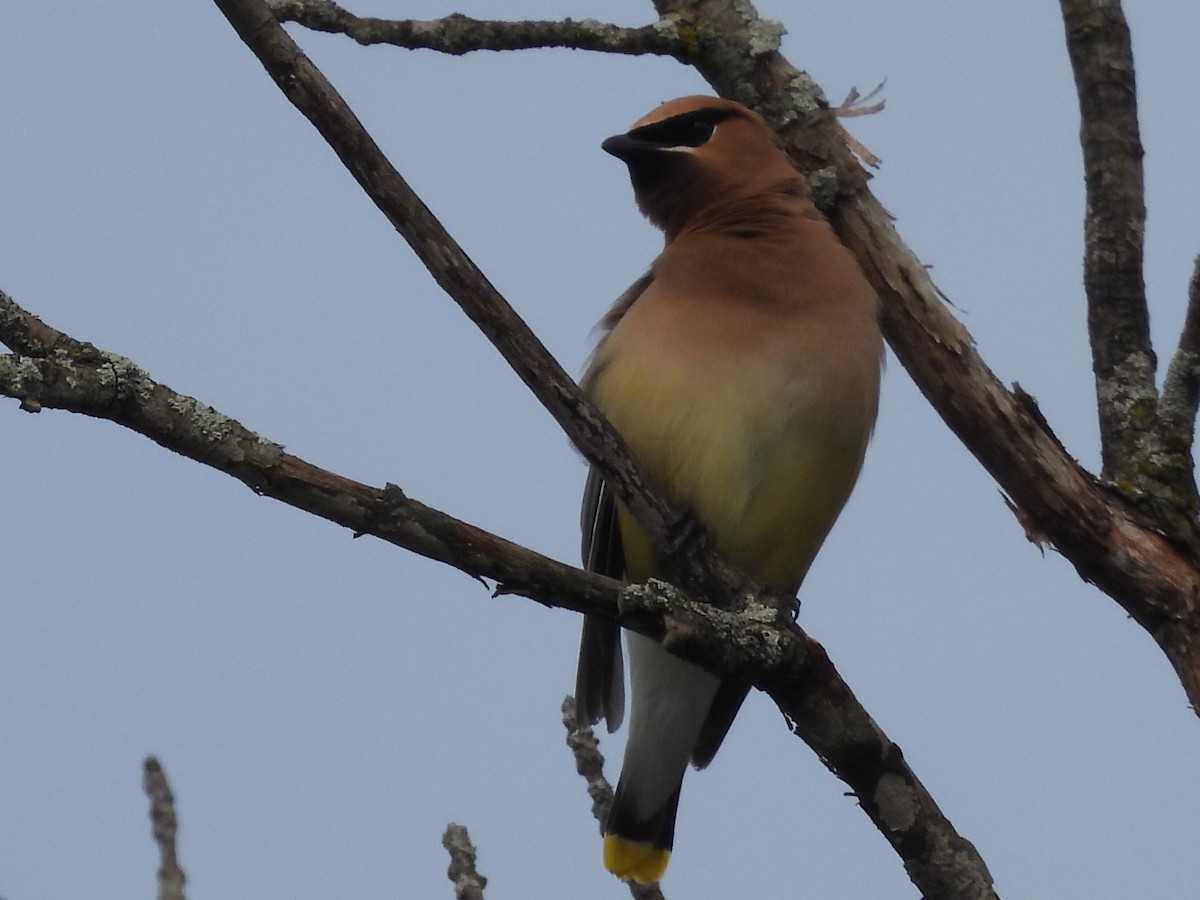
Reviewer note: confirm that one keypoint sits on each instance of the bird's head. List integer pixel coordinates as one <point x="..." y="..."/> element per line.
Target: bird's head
<point x="694" y="153"/>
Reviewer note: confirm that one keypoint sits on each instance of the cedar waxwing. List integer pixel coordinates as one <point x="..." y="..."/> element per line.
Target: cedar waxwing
<point x="743" y="372"/>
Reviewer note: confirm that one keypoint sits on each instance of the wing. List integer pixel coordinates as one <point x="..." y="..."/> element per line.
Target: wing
<point x="720" y="717"/>
<point x="599" y="681"/>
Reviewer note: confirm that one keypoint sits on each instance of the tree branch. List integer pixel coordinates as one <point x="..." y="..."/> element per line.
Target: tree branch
<point x="73" y="375"/>
<point x="457" y="34"/>
<point x="755" y="644"/>
<point x="939" y="861"/>
<point x="468" y="883"/>
<point x="589" y="763"/>
<point x="1147" y="565"/>
<point x="1114" y="230"/>
<point x="165" y="827"/>
<point x="1118" y="548"/>
<point x="1110" y="543"/>
<point x="1180" y="398"/>
<point x="690" y="564"/>
<point x="1181" y="389"/>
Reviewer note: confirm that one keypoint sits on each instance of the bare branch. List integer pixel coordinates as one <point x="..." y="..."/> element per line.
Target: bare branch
<point x="1181" y="388"/>
<point x="1176" y="477"/>
<point x="1114" y="230"/>
<point x="162" y="815"/>
<point x="1153" y="577"/>
<point x="25" y="333"/>
<point x="468" y="883"/>
<point x="589" y="762"/>
<point x="945" y="864"/>
<point x="691" y="564"/>
<point x="757" y="645"/>
<point x="1108" y="542"/>
<point x="457" y="34"/>
<point x="77" y="377"/>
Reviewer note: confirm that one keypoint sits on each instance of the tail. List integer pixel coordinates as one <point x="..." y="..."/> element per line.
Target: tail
<point x="672" y="701"/>
<point x="639" y="849"/>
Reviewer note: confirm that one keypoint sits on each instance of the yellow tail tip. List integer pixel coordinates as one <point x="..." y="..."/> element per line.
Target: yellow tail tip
<point x="634" y="860"/>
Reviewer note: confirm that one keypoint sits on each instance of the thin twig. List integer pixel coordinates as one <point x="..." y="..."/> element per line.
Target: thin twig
<point x="857" y="104"/>
<point x="165" y="827"/>
<point x="457" y="34"/>
<point x="468" y="883"/>
<point x="854" y="105"/>
<point x="755" y="646"/>
<point x="589" y="762"/>
<point x="312" y="94"/>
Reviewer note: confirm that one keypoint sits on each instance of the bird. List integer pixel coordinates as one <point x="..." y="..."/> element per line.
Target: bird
<point x="743" y="372"/>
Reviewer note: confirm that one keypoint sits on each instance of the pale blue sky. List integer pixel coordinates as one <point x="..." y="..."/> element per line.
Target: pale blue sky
<point x="324" y="706"/>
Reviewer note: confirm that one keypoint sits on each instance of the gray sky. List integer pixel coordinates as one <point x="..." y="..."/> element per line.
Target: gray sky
<point x="324" y="706"/>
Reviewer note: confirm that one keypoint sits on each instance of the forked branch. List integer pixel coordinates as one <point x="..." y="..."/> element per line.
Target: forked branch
<point x="1114" y="232"/>
<point x="1146" y="564"/>
<point x="457" y="34"/>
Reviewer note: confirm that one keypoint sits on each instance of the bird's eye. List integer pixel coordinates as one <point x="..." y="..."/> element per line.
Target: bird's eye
<point x="701" y="132"/>
<point x="687" y="130"/>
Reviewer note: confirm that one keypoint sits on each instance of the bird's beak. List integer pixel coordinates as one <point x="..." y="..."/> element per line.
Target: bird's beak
<point x="625" y="146"/>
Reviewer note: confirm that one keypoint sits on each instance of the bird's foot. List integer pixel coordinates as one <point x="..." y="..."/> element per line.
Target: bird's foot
<point x="685" y="537"/>
<point x="785" y="602"/>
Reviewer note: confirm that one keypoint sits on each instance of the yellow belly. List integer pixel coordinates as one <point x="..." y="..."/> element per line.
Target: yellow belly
<point x="764" y="454"/>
